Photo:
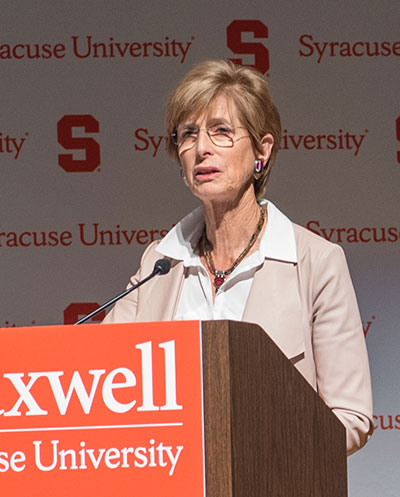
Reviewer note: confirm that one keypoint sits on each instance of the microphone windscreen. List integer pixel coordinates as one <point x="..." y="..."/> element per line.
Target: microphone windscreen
<point x="162" y="266"/>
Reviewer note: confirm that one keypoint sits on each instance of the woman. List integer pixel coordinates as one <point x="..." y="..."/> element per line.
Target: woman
<point x="238" y="257"/>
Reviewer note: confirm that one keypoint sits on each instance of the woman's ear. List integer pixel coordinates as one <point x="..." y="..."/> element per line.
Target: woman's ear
<point x="183" y="177"/>
<point x="267" y="144"/>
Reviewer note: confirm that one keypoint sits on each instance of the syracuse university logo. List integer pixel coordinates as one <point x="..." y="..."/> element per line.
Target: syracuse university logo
<point x="234" y="35"/>
<point x="78" y="310"/>
<point x="68" y="128"/>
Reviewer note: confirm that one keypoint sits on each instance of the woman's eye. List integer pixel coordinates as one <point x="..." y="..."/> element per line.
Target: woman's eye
<point x="221" y="130"/>
<point x="188" y="133"/>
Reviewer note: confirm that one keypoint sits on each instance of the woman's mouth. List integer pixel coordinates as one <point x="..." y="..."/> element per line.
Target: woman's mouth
<point x="205" y="172"/>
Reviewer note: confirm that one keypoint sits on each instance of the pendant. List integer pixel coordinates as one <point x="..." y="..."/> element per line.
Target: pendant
<point x="218" y="280"/>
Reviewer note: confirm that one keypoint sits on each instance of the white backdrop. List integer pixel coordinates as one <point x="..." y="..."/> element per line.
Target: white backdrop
<point x="75" y="237"/>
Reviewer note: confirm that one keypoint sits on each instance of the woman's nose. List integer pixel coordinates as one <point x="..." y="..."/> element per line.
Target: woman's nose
<point x="204" y="144"/>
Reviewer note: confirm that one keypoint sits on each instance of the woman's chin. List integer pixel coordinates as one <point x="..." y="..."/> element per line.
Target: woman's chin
<point x="208" y="192"/>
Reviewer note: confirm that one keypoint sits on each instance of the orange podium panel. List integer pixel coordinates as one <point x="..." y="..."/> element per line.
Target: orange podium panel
<point x="102" y="410"/>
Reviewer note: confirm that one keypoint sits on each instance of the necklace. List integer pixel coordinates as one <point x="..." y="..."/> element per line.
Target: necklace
<point x="220" y="275"/>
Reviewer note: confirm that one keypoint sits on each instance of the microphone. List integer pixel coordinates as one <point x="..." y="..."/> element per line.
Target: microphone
<point x="162" y="266"/>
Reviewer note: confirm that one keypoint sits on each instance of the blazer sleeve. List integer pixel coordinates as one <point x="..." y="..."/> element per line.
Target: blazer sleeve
<point x="340" y="353"/>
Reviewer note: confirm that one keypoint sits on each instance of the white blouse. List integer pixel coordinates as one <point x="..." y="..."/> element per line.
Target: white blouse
<point x="196" y="301"/>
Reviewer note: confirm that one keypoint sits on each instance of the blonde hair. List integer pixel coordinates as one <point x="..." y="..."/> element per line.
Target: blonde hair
<point x="249" y="91"/>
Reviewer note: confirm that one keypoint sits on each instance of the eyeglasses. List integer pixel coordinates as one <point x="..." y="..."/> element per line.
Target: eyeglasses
<point x="220" y="135"/>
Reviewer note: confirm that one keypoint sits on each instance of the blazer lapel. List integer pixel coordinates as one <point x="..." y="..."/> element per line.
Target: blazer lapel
<point x="274" y="303"/>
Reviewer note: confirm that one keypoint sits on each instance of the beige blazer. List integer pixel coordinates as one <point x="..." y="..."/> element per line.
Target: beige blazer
<point x="308" y="308"/>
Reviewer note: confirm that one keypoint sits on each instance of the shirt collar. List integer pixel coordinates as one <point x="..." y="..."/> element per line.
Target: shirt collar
<point x="278" y="241"/>
<point x="181" y="242"/>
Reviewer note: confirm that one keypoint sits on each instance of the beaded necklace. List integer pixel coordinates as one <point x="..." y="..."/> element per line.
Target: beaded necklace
<point x="220" y="275"/>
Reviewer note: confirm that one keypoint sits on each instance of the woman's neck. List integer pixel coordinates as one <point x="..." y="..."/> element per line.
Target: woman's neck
<point x="230" y="227"/>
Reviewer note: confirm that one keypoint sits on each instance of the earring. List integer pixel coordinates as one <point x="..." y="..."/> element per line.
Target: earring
<point x="258" y="168"/>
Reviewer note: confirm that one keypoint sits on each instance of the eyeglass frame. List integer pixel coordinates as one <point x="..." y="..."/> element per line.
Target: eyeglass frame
<point x="174" y="137"/>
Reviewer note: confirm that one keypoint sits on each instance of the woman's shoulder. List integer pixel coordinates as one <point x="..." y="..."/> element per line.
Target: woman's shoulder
<point x="312" y="246"/>
<point x="151" y="255"/>
<point x="151" y="249"/>
<point x="321" y="261"/>
<point x="148" y="259"/>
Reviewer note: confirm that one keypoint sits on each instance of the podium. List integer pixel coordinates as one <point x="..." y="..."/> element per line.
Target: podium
<point x="267" y="432"/>
<point x="97" y="409"/>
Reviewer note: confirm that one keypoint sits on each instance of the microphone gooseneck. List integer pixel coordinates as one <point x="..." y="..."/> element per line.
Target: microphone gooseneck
<point x="162" y="266"/>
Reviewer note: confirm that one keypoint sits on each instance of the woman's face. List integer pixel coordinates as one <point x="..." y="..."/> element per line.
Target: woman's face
<point x="216" y="172"/>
